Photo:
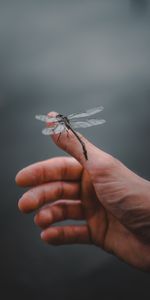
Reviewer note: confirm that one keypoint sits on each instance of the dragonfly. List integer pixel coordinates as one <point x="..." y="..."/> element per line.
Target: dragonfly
<point x="61" y="123"/>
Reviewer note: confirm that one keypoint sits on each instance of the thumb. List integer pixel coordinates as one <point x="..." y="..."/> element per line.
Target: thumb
<point x="79" y="147"/>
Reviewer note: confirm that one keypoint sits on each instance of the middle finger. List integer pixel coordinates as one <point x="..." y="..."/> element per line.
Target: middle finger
<point x="48" y="192"/>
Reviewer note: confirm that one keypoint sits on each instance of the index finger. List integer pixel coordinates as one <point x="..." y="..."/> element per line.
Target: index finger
<point x="59" y="168"/>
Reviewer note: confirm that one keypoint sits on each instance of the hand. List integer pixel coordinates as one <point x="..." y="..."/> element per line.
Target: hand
<point x="112" y="200"/>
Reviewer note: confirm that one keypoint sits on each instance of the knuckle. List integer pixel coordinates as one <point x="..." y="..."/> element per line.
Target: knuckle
<point x="61" y="189"/>
<point x="42" y="197"/>
<point x="110" y="162"/>
<point x="105" y="166"/>
<point x="64" y="212"/>
<point x="61" y="235"/>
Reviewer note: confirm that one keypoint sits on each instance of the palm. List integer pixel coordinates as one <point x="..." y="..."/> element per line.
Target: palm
<point x="105" y="230"/>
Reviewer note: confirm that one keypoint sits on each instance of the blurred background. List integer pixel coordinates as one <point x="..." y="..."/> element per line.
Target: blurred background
<point x="69" y="56"/>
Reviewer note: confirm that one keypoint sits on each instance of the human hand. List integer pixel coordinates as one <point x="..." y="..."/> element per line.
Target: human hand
<point x="112" y="200"/>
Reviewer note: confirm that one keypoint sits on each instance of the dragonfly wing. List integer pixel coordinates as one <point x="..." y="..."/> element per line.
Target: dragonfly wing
<point x="53" y="130"/>
<point x="87" y="123"/>
<point x="87" y="113"/>
<point x="46" y="119"/>
<point x="59" y="128"/>
<point x="48" y="130"/>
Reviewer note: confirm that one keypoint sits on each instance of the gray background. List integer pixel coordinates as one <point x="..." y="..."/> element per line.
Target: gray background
<point x="69" y="56"/>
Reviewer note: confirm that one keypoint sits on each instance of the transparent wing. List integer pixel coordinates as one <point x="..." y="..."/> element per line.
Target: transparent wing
<point x="54" y="129"/>
<point x="46" y="119"/>
<point x="87" y="113"/>
<point x="87" y="123"/>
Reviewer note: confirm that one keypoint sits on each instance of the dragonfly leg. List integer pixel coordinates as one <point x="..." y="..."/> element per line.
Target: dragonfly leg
<point x="67" y="132"/>
<point x="83" y="147"/>
<point x="84" y="150"/>
<point x="59" y="137"/>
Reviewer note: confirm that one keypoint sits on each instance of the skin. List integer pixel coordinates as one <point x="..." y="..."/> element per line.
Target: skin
<point x="113" y="201"/>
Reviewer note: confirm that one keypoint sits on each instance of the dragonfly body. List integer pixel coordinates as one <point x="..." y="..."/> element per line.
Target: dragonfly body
<point x="65" y="121"/>
<point x="61" y="123"/>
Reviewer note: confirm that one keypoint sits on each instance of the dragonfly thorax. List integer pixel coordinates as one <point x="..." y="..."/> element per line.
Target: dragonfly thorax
<point x="62" y="118"/>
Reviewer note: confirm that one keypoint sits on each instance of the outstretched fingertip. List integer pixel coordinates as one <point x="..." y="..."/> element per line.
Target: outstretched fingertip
<point x="19" y="178"/>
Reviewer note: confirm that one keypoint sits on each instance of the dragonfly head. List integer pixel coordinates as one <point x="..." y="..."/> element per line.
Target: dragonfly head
<point x="59" y="116"/>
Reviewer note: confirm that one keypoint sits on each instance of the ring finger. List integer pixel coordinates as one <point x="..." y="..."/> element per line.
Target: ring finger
<point x="59" y="211"/>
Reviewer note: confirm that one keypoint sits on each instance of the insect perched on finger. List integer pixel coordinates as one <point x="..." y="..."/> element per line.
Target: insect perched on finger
<point x="61" y="123"/>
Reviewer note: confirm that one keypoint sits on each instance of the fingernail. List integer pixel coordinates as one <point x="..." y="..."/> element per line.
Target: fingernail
<point x="35" y="220"/>
<point x="42" y="235"/>
<point x="27" y="202"/>
<point x="20" y="177"/>
<point x="17" y="176"/>
<point x="20" y="203"/>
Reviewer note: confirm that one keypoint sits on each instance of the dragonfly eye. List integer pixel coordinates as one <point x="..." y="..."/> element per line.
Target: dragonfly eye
<point x="59" y="116"/>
